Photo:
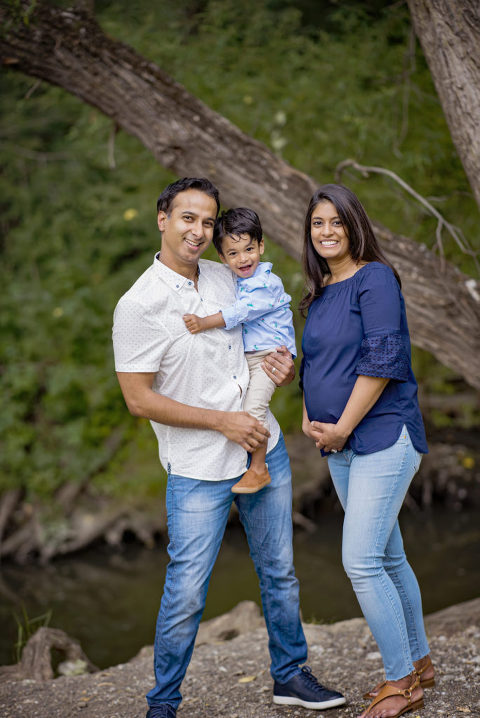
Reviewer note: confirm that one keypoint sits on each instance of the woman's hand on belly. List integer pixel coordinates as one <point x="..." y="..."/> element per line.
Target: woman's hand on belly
<point x="328" y="437"/>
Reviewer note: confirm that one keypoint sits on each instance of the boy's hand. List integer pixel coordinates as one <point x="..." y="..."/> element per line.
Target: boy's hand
<point x="193" y="323"/>
<point x="197" y="324"/>
<point x="279" y="366"/>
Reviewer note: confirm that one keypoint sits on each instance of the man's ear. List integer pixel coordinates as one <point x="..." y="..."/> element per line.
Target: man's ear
<point x="161" y="217"/>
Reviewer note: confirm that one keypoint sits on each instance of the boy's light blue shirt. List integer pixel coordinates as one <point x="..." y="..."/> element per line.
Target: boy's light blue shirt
<point x="263" y="307"/>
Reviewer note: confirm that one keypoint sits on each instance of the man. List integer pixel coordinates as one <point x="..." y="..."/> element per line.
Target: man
<point x="191" y="387"/>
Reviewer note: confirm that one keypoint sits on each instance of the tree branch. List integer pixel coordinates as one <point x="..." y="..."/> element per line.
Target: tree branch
<point x="454" y="231"/>
<point x="68" y="49"/>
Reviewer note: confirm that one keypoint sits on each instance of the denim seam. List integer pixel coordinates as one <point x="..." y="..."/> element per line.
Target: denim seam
<point x="164" y="609"/>
<point x="261" y="564"/>
<point x="266" y="602"/>
<point x="402" y="629"/>
<point x="413" y="635"/>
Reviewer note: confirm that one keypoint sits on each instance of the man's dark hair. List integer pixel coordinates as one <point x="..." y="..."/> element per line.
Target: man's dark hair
<point x="202" y="184"/>
<point x="235" y="222"/>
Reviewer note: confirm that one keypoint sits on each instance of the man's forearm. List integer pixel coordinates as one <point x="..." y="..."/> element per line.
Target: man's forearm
<point x="237" y="426"/>
<point x="150" y="405"/>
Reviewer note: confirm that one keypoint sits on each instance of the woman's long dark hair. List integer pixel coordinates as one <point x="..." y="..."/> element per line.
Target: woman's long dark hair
<point x="363" y="244"/>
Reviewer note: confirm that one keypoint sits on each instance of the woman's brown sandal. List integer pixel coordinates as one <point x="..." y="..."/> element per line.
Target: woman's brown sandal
<point x="389" y="691"/>
<point x="424" y="682"/>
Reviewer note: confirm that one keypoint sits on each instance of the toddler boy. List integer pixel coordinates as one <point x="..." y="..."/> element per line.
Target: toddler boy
<point x="262" y="306"/>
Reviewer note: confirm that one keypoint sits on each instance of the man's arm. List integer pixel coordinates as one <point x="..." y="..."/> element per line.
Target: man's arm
<point x="141" y="400"/>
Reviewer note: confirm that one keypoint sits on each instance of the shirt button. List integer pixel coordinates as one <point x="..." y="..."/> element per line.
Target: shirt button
<point x="189" y="284"/>
<point x="234" y="376"/>
<point x="177" y="286"/>
<point x="229" y="346"/>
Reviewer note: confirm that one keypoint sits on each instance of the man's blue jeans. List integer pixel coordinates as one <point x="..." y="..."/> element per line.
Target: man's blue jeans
<point x="197" y="514"/>
<point x="371" y="489"/>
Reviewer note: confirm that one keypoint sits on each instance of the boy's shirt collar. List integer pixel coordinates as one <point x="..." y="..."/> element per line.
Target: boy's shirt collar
<point x="262" y="269"/>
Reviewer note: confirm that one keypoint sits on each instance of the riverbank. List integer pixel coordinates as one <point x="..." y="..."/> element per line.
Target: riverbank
<point x="449" y="477"/>
<point x="230" y="678"/>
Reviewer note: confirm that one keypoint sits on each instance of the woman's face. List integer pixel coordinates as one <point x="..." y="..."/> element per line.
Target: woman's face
<point x="329" y="238"/>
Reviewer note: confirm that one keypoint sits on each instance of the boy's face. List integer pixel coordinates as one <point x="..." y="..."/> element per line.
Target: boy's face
<point x="242" y="254"/>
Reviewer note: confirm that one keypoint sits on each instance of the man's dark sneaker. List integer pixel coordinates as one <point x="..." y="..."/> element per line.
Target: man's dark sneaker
<point x="163" y="710"/>
<point x="304" y="690"/>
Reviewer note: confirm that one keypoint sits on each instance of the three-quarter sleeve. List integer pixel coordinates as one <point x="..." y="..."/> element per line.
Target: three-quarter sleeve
<point x="384" y="351"/>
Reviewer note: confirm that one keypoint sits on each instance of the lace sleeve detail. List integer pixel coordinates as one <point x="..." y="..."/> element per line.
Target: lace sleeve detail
<point x="384" y="355"/>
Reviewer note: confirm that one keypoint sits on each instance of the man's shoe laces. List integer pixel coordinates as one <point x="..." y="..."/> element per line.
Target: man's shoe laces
<point x="308" y="675"/>
<point x="165" y="711"/>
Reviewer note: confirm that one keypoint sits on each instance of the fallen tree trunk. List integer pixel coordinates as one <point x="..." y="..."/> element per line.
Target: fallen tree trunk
<point x="69" y="49"/>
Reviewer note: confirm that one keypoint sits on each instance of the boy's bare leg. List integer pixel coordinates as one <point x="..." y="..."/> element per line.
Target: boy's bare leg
<point x="257" y="475"/>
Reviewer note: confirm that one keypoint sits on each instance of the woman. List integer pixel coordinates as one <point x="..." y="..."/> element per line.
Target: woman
<point x="361" y="409"/>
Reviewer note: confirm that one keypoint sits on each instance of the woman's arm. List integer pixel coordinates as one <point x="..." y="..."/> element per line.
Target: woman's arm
<point x="365" y="393"/>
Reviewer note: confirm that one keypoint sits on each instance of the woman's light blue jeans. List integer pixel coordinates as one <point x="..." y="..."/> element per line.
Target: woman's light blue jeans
<point x="371" y="489"/>
<point x="197" y="514"/>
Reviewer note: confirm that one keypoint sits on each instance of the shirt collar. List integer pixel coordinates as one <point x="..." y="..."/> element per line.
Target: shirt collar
<point x="175" y="281"/>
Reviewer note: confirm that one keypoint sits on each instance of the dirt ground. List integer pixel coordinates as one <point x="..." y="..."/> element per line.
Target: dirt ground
<point x="230" y="678"/>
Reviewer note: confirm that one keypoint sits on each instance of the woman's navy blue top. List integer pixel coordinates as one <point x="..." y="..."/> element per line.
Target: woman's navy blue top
<point x="359" y="326"/>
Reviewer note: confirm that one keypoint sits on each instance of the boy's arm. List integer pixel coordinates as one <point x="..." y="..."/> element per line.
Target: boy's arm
<point x="196" y="324"/>
<point x="141" y="400"/>
<point x="253" y="305"/>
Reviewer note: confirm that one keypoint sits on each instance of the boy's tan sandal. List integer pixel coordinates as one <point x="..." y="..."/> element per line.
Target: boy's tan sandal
<point x="389" y="691"/>
<point x="424" y="682"/>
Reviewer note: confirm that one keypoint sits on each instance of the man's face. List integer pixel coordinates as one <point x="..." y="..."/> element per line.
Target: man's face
<point x="187" y="230"/>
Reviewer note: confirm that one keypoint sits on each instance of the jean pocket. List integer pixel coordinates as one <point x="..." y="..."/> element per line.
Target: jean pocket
<point x="417" y="460"/>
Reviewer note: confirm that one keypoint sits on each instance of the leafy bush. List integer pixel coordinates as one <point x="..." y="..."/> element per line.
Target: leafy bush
<point x="317" y="84"/>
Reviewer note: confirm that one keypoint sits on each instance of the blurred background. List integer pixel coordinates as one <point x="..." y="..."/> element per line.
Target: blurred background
<point x="82" y="492"/>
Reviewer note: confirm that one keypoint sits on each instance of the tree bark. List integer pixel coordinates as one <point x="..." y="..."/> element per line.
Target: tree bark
<point x="67" y="48"/>
<point x="449" y="33"/>
<point x="36" y="662"/>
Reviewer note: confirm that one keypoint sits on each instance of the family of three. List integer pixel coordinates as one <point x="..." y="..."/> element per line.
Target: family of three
<point x="200" y="346"/>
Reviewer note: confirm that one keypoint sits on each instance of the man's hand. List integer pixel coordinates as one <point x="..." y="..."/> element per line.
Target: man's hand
<point x="193" y="323"/>
<point x="243" y="429"/>
<point x="279" y="366"/>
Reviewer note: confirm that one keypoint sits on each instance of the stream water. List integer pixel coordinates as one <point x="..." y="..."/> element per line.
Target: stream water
<point x="109" y="600"/>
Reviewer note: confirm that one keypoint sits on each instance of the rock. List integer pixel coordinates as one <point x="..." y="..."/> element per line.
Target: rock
<point x="231" y="678"/>
<point x="72" y="668"/>
<point x="245" y="617"/>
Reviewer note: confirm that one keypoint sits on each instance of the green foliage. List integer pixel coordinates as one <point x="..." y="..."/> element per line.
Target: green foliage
<point x="26" y="627"/>
<point x="317" y="82"/>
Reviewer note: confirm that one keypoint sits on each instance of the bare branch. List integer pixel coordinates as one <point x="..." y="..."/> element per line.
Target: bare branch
<point x="111" y="146"/>
<point x="442" y="223"/>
